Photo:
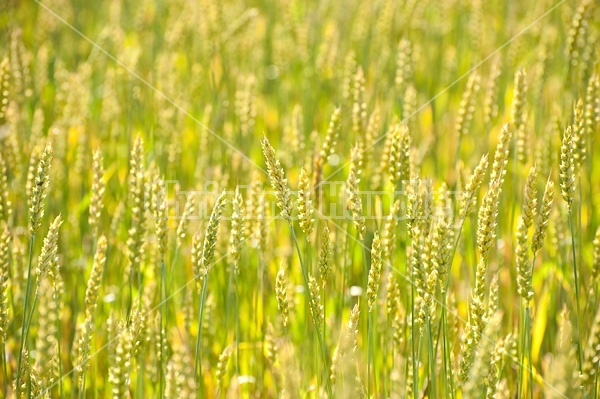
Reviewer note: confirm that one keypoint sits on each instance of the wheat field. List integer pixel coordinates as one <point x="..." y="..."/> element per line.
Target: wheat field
<point x="299" y="199"/>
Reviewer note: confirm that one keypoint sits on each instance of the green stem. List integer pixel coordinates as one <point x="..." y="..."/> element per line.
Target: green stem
<point x="24" y="328"/>
<point x="529" y="335"/>
<point x="368" y="334"/>
<point x="443" y="336"/>
<point x="232" y="298"/>
<point x="431" y="359"/>
<point x="521" y="350"/>
<point x="238" y="334"/>
<point x="164" y="322"/>
<point x="388" y="363"/>
<point x="343" y="272"/>
<point x="95" y="384"/>
<point x="255" y="293"/>
<point x="198" y="358"/>
<point x="369" y="351"/>
<point x="263" y="326"/>
<point x="529" y="362"/>
<point x="448" y="352"/>
<point x="35" y="299"/>
<point x="413" y="341"/>
<point x="309" y="295"/>
<point x="5" y="369"/>
<point x="324" y="314"/>
<point x="228" y="302"/>
<point x="58" y="329"/>
<point x="575" y="274"/>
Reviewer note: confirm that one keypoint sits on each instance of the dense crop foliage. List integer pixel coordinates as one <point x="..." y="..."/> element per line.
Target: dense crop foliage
<point x="299" y="199"/>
